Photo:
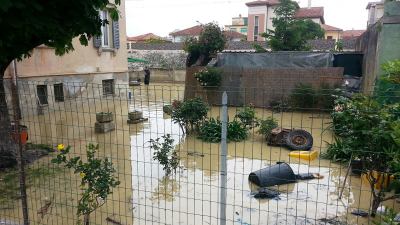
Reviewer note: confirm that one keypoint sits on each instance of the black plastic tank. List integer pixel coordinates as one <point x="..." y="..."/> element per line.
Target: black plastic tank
<point x="278" y="174"/>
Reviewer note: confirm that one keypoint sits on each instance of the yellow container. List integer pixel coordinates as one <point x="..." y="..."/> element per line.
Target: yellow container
<point x="383" y="180"/>
<point x="306" y="155"/>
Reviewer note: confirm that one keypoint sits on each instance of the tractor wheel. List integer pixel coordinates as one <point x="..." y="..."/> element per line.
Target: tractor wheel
<point x="299" y="140"/>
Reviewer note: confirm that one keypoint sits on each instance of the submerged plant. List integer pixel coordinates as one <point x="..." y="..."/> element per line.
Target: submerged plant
<point x="211" y="130"/>
<point x="209" y="77"/>
<point x="247" y="115"/>
<point x="267" y="125"/>
<point x="97" y="179"/>
<point x="165" y="153"/>
<point x="189" y="113"/>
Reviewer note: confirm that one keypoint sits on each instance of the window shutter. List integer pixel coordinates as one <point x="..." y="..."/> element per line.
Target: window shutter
<point x="97" y="41"/>
<point x="115" y="25"/>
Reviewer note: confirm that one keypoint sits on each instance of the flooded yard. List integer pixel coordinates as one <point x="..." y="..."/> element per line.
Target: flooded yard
<point x="147" y="196"/>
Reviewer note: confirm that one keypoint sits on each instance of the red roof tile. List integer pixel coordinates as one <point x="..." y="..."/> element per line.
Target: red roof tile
<point x="144" y="37"/>
<point x="350" y="34"/>
<point x="263" y="2"/>
<point x="330" y="28"/>
<point x="192" y="31"/>
<point x="233" y="34"/>
<point x="308" y="13"/>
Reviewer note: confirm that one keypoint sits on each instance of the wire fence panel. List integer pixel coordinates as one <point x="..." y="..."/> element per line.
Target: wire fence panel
<point x="66" y="114"/>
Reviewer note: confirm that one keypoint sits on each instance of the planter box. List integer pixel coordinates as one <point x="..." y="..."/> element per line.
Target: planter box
<point x="135" y="115"/>
<point x="104" y="127"/>
<point x="137" y="121"/>
<point x="104" y="117"/>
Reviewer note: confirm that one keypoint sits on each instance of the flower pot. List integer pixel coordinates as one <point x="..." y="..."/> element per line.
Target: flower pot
<point x="135" y="115"/>
<point x="104" y="117"/>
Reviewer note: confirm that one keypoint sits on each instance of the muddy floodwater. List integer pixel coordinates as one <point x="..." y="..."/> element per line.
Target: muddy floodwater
<point x="146" y="196"/>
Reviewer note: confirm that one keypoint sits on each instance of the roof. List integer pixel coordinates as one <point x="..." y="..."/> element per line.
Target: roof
<point x="370" y="4"/>
<point x="192" y="31"/>
<point x="350" y="34"/>
<point x="310" y="13"/>
<point x="318" y="45"/>
<point x="144" y="37"/>
<point x="233" y="34"/>
<point x="196" y="31"/>
<point x="330" y="28"/>
<point x="265" y="2"/>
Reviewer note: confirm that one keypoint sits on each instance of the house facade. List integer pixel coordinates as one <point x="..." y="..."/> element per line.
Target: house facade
<point x="50" y="79"/>
<point x="332" y="33"/>
<point x="261" y="13"/>
<point x="239" y="24"/>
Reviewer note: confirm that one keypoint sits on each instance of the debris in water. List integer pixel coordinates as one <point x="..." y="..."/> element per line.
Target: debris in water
<point x="195" y="154"/>
<point x="266" y="193"/>
<point x="360" y="212"/>
<point x="45" y="209"/>
<point x="108" y="219"/>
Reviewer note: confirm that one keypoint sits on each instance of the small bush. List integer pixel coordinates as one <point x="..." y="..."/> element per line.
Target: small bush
<point x="279" y="106"/>
<point x="165" y="154"/>
<point x="247" y="115"/>
<point x="327" y="95"/>
<point x="210" y="131"/>
<point x="209" y="77"/>
<point x="303" y="97"/>
<point x="189" y="113"/>
<point x="267" y="125"/>
<point x="237" y="131"/>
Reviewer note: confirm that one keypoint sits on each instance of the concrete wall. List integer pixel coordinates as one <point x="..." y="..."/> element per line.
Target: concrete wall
<point x="160" y="75"/>
<point x="381" y="43"/>
<point x="259" y="86"/>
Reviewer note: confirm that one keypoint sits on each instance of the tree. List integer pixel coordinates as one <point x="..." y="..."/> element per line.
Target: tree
<point x="27" y="24"/>
<point x="291" y="34"/>
<point x="211" y="41"/>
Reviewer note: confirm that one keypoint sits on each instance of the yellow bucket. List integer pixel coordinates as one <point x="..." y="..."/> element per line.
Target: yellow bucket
<point x="306" y="155"/>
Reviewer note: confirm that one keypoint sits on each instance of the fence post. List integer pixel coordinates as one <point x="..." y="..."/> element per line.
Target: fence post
<point x="223" y="158"/>
<point x="18" y="145"/>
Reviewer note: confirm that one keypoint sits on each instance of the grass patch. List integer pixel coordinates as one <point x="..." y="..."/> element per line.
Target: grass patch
<point x="9" y="181"/>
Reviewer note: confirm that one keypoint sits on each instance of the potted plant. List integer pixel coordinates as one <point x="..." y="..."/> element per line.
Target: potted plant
<point x="104" y="117"/>
<point x="209" y="77"/>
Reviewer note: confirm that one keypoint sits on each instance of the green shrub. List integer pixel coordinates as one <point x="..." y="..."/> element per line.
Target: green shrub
<point x="392" y="71"/>
<point x="209" y="77"/>
<point x="327" y="95"/>
<point x="303" y="97"/>
<point x="237" y="131"/>
<point x="267" y="125"/>
<point x="210" y="131"/>
<point x="165" y="154"/>
<point x="189" y="113"/>
<point x="247" y="115"/>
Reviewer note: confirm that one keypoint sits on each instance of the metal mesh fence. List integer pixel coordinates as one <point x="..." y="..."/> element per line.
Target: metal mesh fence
<point x="189" y="196"/>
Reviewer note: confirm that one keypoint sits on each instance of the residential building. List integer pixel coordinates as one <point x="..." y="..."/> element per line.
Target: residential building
<point x="50" y="79"/>
<point x="261" y="13"/>
<point x="239" y="24"/>
<point x="352" y="34"/>
<point x="142" y="39"/>
<point x="375" y="12"/>
<point x="194" y="32"/>
<point x="332" y="33"/>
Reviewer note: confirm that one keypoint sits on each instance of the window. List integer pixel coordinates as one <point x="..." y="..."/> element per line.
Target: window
<point x="42" y="94"/>
<point x="329" y="38"/>
<point x="232" y="29"/>
<point x="256" y="28"/>
<point x="108" y="87"/>
<point x="59" y="92"/>
<point x="131" y="45"/>
<point x="243" y="30"/>
<point x="106" y="30"/>
<point x="127" y="45"/>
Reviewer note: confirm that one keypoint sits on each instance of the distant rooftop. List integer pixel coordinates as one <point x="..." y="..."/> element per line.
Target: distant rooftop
<point x="352" y="34"/>
<point x="312" y="12"/>
<point x="330" y="28"/>
<point x="144" y="37"/>
<point x="265" y="2"/>
<point x="196" y="31"/>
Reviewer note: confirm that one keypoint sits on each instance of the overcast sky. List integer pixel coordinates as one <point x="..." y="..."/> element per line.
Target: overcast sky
<point x="164" y="16"/>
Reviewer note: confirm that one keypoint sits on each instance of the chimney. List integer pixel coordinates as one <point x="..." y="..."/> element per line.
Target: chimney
<point x="309" y="4"/>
